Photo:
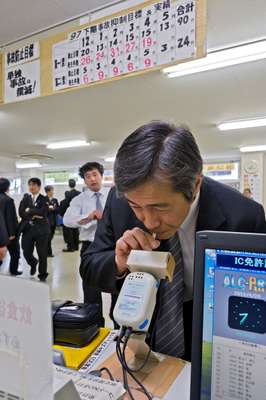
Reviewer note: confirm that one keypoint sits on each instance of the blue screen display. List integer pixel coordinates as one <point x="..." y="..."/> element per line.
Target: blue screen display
<point x="234" y="326"/>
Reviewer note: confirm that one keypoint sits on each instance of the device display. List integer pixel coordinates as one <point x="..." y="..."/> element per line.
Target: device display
<point x="233" y="353"/>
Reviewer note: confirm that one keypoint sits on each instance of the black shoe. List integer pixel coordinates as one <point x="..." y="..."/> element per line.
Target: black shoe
<point x="50" y="255"/>
<point x="68" y="250"/>
<point x="16" y="273"/>
<point x="33" y="269"/>
<point x="43" y="277"/>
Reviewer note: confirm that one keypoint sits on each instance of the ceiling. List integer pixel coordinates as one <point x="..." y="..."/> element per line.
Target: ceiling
<point x="107" y="113"/>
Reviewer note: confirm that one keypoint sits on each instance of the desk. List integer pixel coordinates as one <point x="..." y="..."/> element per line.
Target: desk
<point x="180" y="390"/>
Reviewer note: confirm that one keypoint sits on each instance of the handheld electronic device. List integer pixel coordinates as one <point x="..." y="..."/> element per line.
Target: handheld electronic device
<point x="229" y="317"/>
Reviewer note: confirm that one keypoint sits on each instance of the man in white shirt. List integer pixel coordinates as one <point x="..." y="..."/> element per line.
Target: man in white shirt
<point x="85" y="211"/>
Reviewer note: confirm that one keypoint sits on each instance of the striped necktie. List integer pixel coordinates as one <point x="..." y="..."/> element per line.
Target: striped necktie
<point x="98" y="201"/>
<point x="169" y="327"/>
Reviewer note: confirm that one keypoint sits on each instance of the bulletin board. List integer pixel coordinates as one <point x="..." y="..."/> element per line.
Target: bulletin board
<point x="147" y="37"/>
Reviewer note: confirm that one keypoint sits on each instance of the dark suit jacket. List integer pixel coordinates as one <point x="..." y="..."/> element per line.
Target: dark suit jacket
<point x="64" y="204"/>
<point x="3" y="231"/>
<point x="8" y="208"/>
<point x="52" y="212"/>
<point x="220" y="208"/>
<point x="39" y="208"/>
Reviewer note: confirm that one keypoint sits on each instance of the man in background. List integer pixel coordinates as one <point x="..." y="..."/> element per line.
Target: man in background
<point x="71" y="235"/>
<point x="84" y="213"/>
<point x="34" y="225"/>
<point x="3" y="237"/>
<point x="8" y="209"/>
<point x="52" y="213"/>
<point x="247" y="193"/>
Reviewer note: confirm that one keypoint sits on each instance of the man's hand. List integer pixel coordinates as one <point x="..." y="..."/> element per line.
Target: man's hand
<point x="12" y="237"/>
<point x="96" y="214"/>
<point x="135" y="239"/>
<point x="88" y="219"/>
<point x="3" y="251"/>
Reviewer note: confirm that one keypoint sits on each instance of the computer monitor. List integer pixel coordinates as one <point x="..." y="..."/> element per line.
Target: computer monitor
<point x="229" y="317"/>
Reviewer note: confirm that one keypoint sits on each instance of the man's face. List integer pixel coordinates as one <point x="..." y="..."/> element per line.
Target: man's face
<point x="159" y="208"/>
<point x="34" y="188"/>
<point x="93" y="180"/>
<point x="50" y="193"/>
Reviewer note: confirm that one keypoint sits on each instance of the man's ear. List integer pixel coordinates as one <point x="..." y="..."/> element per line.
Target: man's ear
<point x="198" y="182"/>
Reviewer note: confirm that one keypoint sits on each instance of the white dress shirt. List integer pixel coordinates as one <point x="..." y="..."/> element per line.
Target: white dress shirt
<point x="80" y="207"/>
<point x="187" y="240"/>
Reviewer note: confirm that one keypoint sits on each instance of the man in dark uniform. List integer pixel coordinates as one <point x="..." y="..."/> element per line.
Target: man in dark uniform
<point x="33" y="210"/>
<point x="8" y="209"/>
<point x="160" y="191"/>
<point x="71" y="235"/>
<point x="3" y="237"/>
<point x="52" y="213"/>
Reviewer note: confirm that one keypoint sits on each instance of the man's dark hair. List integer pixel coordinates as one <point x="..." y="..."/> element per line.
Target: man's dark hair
<point x="48" y="188"/>
<point x="35" y="181"/>
<point x="89" y="166"/>
<point x="4" y="185"/>
<point x="161" y="151"/>
<point x="72" y="183"/>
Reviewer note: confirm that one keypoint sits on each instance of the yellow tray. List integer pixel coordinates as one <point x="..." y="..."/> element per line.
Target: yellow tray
<point x="75" y="357"/>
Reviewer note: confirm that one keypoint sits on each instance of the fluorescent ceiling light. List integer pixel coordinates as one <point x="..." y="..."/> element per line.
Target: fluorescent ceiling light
<point x="22" y="165"/>
<point x="220" y="59"/>
<point x="67" y="144"/>
<point x="249" y="123"/>
<point x="250" y="149"/>
<point x="109" y="159"/>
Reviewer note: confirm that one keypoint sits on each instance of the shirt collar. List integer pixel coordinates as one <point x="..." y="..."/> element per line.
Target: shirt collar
<point x="91" y="194"/>
<point x="192" y="215"/>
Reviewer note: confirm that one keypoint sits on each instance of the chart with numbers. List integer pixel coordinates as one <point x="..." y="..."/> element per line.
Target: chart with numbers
<point x="150" y="36"/>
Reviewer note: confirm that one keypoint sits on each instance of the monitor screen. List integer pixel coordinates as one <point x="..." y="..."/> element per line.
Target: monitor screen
<point x="234" y="326"/>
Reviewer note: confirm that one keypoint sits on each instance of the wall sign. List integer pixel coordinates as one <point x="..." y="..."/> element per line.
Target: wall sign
<point x="22" y="73"/>
<point x="144" y="38"/>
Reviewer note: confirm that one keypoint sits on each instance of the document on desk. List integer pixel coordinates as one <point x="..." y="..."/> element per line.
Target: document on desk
<point x="91" y="387"/>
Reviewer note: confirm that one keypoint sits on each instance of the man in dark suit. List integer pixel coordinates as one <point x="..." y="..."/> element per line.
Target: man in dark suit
<point x="71" y="235"/>
<point x="8" y="209"/>
<point x="33" y="210"/>
<point x="162" y="193"/>
<point x="53" y="207"/>
<point x="3" y="237"/>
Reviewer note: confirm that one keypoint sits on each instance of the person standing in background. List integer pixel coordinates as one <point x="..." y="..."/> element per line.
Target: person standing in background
<point x="8" y="209"/>
<point x="247" y="193"/>
<point x="53" y="210"/>
<point x="34" y="225"/>
<point x="3" y="237"/>
<point x="71" y="235"/>
<point x="84" y="213"/>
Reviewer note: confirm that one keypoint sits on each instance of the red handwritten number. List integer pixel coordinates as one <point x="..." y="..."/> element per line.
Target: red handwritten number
<point x="101" y="75"/>
<point x="130" y="66"/>
<point x="115" y="71"/>
<point x="114" y="51"/>
<point x="86" y="79"/>
<point x="147" y="62"/>
<point x="99" y="55"/>
<point x="147" y="42"/>
<point x="130" y="47"/>
<point x="85" y="60"/>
